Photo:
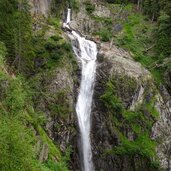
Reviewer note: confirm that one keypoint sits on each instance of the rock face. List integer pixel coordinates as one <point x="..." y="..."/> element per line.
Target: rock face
<point x="41" y="7"/>
<point x="116" y="64"/>
<point x="84" y="22"/>
<point x="58" y="103"/>
<point x="162" y="128"/>
<point x="134" y="86"/>
<point x="136" y="89"/>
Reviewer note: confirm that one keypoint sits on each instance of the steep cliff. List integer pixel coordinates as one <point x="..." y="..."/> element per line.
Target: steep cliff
<point x="132" y="87"/>
<point x="40" y="7"/>
<point x="126" y="136"/>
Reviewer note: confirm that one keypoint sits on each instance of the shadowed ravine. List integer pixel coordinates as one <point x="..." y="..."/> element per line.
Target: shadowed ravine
<point x="86" y="51"/>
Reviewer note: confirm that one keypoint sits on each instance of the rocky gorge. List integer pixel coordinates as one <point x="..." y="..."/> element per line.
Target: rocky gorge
<point x="130" y="113"/>
<point x="134" y="85"/>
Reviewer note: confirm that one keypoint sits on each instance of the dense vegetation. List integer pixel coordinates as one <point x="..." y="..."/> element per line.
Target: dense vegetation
<point x="138" y="143"/>
<point x="26" y="54"/>
<point x="148" y="36"/>
<point x="144" y="29"/>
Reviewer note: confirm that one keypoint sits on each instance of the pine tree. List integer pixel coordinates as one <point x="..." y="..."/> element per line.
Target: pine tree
<point x="164" y="34"/>
<point x="16" y="30"/>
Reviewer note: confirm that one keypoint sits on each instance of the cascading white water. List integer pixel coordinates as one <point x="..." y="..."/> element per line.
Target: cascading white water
<point x="86" y="51"/>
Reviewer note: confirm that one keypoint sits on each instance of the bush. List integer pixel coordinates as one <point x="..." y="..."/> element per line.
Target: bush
<point x="105" y="35"/>
<point x="50" y="45"/>
<point x="111" y="101"/>
<point x="90" y="8"/>
<point x="74" y="4"/>
<point x="136" y="122"/>
<point x="67" y="47"/>
<point x="2" y="52"/>
<point x="15" y="144"/>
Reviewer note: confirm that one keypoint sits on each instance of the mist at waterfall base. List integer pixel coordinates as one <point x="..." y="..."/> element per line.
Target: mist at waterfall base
<point x="86" y="52"/>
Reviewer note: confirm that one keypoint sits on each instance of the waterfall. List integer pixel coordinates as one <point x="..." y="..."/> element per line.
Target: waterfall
<point x="86" y="52"/>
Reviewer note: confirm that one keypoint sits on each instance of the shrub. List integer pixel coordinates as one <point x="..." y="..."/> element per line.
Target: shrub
<point x="50" y="45"/>
<point x="90" y="8"/>
<point x="75" y="4"/>
<point x="105" y="34"/>
<point x="136" y="122"/>
<point x="110" y="100"/>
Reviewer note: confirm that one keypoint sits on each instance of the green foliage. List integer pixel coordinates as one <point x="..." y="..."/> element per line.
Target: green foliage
<point x="18" y="118"/>
<point x="27" y="53"/>
<point x="110" y="100"/>
<point x="105" y="34"/>
<point x="148" y="42"/>
<point x="60" y="166"/>
<point x="164" y="35"/>
<point x="59" y="106"/>
<point x="142" y="146"/>
<point x="150" y="106"/>
<point x="137" y="122"/>
<point x="138" y="37"/>
<point x="118" y="1"/>
<point x="2" y="53"/>
<point x="151" y="8"/>
<point x="74" y="4"/>
<point x="90" y="8"/>
<point x="55" y="166"/>
<point x="15" y="144"/>
<point x="16" y="30"/>
<point x="21" y="126"/>
<point x="159" y="10"/>
<point x="55" y="22"/>
<point x="17" y="140"/>
<point x="59" y="6"/>
<point x="105" y="20"/>
<point x="49" y="52"/>
<point x="53" y="150"/>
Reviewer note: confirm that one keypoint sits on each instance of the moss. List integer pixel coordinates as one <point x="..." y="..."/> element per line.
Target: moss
<point x="137" y="123"/>
<point x="105" y="34"/>
<point x="53" y="150"/>
<point x="105" y="20"/>
<point x="90" y="8"/>
<point x="150" y="106"/>
<point x="123" y="87"/>
<point x="18" y="124"/>
<point x="60" y="106"/>
<point x="111" y="101"/>
<point x="137" y="36"/>
<point x="75" y="4"/>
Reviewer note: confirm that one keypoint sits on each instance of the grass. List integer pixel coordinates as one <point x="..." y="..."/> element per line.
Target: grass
<point x="137" y="37"/>
<point x="18" y="125"/>
<point x="104" y="33"/>
<point x="137" y="122"/>
<point x="53" y="150"/>
<point x="150" y="106"/>
<point x="90" y="8"/>
<point x="75" y="4"/>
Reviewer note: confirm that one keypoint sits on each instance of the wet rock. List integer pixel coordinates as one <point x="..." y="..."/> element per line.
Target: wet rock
<point x="100" y="57"/>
